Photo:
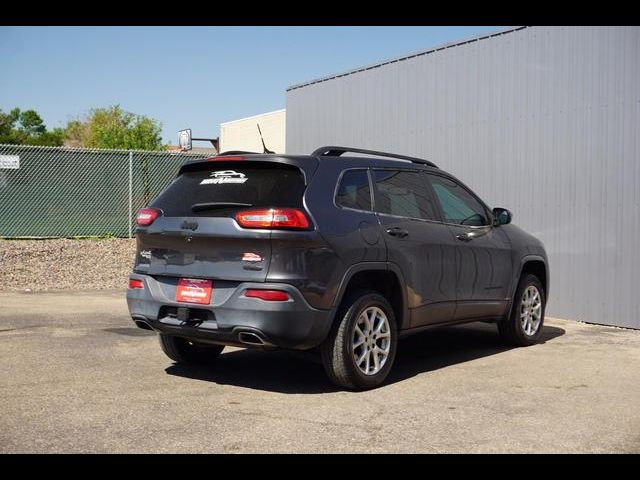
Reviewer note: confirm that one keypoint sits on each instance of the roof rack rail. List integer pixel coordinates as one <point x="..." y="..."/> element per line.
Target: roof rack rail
<point x="334" y="151"/>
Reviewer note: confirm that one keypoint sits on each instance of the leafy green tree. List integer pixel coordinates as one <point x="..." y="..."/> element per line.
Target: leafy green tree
<point x="27" y="128"/>
<point x="53" y="137"/>
<point x="110" y="127"/>
<point x="31" y="123"/>
<point x="114" y="127"/>
<point x="7" y="125"/>
<point x="77" y="133"/>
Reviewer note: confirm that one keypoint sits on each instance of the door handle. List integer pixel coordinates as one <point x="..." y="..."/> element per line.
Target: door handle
<point x="466" y="237"/>
<point x="397" y="232"/>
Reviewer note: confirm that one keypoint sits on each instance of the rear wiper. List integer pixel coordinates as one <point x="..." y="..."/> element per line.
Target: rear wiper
<point x="198" y="207"/>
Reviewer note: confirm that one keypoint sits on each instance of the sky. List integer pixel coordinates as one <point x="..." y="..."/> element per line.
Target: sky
<point x="189" y="77"/>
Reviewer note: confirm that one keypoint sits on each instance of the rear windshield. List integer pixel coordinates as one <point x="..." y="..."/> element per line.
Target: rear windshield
<point x="224" y="188"/>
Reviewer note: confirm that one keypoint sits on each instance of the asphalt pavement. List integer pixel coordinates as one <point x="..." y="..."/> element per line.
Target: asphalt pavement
<point x="77" y="376"/>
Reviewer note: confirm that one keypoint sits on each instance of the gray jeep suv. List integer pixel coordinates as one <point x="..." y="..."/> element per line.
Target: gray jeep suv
<point x="327" y="252"/>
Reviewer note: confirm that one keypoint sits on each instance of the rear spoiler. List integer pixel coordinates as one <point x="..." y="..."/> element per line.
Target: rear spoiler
<point x="306" y="164"/>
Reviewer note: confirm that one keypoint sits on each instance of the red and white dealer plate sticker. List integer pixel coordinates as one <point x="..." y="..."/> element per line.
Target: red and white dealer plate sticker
<point x="194" y="290"/>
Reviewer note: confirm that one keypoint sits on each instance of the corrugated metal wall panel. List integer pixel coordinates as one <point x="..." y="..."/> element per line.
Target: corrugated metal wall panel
<point x="544" y="121"/>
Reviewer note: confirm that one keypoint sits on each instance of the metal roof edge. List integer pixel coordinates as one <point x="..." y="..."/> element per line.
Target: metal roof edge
<point x="408" y="56"/>
<point x="254" y="116"/>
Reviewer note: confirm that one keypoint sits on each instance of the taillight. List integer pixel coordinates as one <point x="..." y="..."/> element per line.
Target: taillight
<point x="226" y="158"/>
<point x="268" y="295"/>
<point x="135" y="283"/>
<point x="273" y="218"/>
<point x="146" y="216"/>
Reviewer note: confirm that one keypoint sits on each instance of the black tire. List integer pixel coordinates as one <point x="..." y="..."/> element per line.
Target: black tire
<point x="185" y="351"/>
<point x="336" y="350"/>
<point x="511" y="328"/>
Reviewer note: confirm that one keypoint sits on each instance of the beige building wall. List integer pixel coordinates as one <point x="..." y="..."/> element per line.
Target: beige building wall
<point x="242" y="134"/>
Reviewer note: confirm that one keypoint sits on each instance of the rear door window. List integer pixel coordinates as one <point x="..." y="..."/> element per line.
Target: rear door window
<point x="404" y="194"/>
<point x="223" y="188"/>
<point x="354" y="191"/>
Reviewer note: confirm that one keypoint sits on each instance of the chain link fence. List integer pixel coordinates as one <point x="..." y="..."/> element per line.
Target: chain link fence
<point x="68" y="192"/>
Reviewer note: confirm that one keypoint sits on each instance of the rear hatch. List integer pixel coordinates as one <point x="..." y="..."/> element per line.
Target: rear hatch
<point x="196" y="233"/>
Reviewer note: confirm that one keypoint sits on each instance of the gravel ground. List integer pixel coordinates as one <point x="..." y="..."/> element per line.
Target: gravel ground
<point x="65" y="264"/>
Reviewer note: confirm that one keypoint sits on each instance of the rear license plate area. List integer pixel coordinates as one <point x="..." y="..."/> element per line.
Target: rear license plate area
<point x="194" y="290"/>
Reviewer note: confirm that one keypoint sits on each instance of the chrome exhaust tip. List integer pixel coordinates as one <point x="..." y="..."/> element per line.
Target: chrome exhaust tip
<point x="142" y="324"/>
<point x="250" y="338"/>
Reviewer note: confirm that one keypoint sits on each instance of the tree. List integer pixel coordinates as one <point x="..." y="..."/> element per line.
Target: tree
<point x="114" y="127"/>
<point x="110" y="127"/>
<point x="27" y="128"/>
<point x="77" y="133"/>
<point x="31" y="123"/>
<point x="7" y="125"/>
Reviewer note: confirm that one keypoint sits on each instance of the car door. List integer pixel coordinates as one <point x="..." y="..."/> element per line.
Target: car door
<point x="483" y="251"/>
<point x="417" y="242"/>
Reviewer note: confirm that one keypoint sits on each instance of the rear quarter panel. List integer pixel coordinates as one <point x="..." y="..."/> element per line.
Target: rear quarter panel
<point x="316" y="262"/>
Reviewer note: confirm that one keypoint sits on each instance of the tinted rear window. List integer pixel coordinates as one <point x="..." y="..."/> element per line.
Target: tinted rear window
<point x="258" y="184"/>
<point x="353" y="191"/>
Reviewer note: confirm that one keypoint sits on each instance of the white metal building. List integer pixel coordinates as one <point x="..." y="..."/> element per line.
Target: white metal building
<point x="544" y="121"/>
<point x="242" y="134"/>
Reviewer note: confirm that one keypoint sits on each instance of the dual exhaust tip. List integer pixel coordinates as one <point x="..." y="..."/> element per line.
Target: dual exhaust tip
<point x="250" y="338"/>
<point x="245" y="337"/>
<point x="142" y="324"/>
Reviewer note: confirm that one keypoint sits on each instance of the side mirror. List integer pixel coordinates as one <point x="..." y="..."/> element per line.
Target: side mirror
<point x="184" y="139"/>
<point x="501" y="216"/>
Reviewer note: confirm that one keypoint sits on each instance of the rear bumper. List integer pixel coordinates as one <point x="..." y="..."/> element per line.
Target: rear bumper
<point x="293" y="324"/>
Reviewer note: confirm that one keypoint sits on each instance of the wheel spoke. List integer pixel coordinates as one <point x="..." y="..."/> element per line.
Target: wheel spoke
<point x="362" y="357"/>
<point x="376" y="360"/>
<point x="382" y="352"/>
<point x="375" y="321"/>
<point x="380" y="325"/>
<point x="367" y="322"/>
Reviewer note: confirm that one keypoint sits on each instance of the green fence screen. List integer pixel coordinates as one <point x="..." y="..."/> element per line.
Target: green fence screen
<point x="67" y="192"/>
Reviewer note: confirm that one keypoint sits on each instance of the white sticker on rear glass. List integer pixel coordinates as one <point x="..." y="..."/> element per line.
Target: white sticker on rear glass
<point x="224" y="176"/>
